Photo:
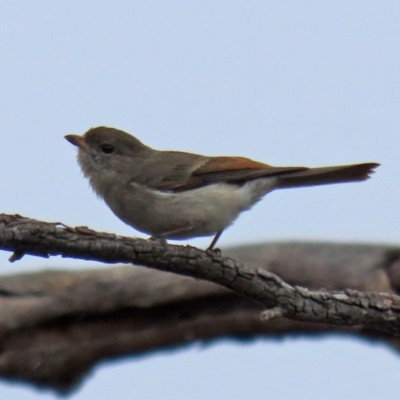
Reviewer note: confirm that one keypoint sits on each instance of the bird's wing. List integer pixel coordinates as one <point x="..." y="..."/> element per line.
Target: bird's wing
<point x="213" y="170"/>
<point x="183" y="171"/>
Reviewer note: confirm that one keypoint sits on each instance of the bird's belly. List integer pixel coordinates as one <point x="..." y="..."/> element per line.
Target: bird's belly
<point x="199" y="212"/>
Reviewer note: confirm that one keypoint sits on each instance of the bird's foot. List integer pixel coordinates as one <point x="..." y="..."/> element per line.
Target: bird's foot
<point x="216" y="252"/>
<point x="162" y="241"/>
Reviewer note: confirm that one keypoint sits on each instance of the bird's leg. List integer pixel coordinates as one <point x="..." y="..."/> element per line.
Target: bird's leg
<point x="214" y="241"/>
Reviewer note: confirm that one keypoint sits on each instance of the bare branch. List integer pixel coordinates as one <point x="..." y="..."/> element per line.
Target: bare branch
<point x="349" y="307"/>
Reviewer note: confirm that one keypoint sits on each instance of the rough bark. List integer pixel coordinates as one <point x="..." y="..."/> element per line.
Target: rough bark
<point x="55" y="326"/>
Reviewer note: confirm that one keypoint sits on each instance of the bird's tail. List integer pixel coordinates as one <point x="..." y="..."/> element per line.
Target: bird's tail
<point x="326" y="175"/>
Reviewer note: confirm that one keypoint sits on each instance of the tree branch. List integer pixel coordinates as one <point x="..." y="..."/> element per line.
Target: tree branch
<point x="134" y="314"/>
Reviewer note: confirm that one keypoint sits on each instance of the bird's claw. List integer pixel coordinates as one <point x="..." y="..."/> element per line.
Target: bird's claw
<point x="162" y="241"/>
<point x="216" y="252"/>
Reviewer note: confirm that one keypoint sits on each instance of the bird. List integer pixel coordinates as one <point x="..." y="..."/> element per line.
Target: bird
<point x="178" y="195"/>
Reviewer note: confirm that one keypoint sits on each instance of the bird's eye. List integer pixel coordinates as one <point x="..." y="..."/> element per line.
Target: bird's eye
<point x="107" y="148"/>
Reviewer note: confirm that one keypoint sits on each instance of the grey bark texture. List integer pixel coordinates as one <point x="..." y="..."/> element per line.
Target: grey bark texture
<point x="56" y="326"/>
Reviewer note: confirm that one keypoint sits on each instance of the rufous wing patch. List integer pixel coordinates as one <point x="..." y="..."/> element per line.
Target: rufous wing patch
<point x="235" y="170"/>
<point x="216" y="164"/>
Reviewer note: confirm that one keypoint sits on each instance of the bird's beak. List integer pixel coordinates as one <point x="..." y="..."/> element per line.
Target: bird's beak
<point x="78" y="141"/>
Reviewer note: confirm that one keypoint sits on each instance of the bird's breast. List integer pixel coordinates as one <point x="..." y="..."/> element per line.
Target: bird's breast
<point x="198" y="212"/>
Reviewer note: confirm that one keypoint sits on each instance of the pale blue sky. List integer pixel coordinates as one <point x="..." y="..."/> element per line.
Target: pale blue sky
<point x="288" y="83"/>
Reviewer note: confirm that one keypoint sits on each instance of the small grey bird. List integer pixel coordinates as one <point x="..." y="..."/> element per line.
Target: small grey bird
<point x="176" y="195"/>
